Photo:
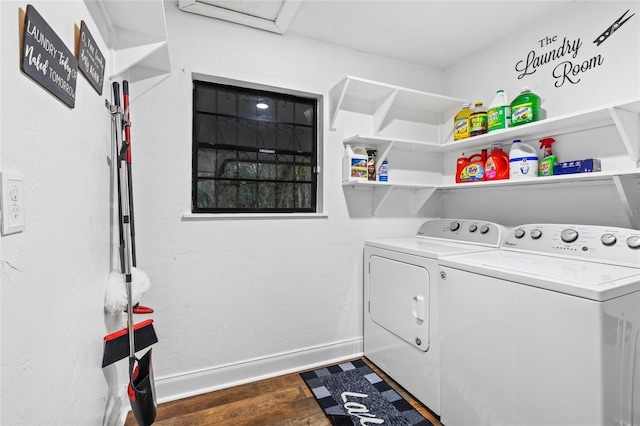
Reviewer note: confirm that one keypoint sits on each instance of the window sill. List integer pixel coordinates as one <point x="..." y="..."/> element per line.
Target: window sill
<point x="189" y="217"/>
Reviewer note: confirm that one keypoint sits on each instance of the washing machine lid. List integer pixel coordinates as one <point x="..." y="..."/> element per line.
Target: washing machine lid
<point x="425" y="247"/>
<point x="590" y="280"/>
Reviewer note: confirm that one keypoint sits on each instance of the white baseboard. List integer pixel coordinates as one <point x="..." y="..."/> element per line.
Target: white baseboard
<point x="198" y="382"/>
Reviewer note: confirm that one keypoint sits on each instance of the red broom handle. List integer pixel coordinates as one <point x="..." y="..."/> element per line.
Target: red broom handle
<point x="127" y="127"/>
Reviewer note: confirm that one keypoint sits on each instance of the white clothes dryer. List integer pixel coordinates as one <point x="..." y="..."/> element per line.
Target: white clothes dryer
<point x="544" y="331"/>
<point x="401" y="299"/>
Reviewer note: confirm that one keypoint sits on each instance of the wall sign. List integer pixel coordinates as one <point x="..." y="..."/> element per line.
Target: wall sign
<point x="563" y="53"/>
<point x="91" y="61"/>
<point x="47" y="60"/>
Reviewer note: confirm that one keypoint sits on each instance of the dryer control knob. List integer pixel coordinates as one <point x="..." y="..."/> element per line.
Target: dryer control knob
<point x="454" y="226"/>
<point x="608" y="239"/>
<point x="536" y="233"/>
<point x="484" y="229"/>
<point x="633" y="242"/>
<point x="473" y="228"/>
<point x="569" y="235"/>
<point x="519" y="233"/>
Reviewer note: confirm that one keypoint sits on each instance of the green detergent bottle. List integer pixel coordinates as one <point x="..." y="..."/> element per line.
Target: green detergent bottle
<point x="525" y="108"/>
<point x="545" y="167"/>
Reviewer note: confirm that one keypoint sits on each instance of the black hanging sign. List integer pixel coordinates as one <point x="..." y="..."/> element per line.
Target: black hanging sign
<point x="91" y="61"/>
<point x="47" y="60"/>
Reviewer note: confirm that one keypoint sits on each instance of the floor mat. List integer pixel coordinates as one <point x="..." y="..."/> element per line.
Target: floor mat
<point x="351" y="393"/>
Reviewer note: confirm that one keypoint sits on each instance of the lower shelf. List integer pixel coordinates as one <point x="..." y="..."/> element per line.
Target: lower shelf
<point x="627" y="184"/>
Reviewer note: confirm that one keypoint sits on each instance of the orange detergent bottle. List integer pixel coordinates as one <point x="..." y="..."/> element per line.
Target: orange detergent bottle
<point x="497" y="164"/>
<point x="460" y="165"/>
<point x="473" y="171"/>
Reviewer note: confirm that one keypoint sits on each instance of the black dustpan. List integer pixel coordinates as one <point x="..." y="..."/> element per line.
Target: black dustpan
<point x="141" y="390"/>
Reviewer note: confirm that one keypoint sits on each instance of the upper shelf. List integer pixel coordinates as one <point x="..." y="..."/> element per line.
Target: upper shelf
<point x="623" y="115"/>
<point x="385" y="102"/>
<point x="137" y="33"/>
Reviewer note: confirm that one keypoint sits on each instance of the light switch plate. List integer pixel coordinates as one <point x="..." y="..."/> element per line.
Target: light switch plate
<point x="12" y="203"/>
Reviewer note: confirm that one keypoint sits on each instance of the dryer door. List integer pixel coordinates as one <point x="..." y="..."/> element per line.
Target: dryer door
<point x="399" y="299"/>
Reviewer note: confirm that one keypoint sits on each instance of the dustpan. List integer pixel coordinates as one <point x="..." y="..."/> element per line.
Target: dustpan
<point x="141" y="389"/>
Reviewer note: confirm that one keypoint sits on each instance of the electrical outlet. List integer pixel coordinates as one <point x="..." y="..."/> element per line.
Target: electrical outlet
<point x="12" y="203"/>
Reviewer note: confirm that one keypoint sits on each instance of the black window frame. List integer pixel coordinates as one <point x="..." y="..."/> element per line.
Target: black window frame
<point x="303" y="178"/>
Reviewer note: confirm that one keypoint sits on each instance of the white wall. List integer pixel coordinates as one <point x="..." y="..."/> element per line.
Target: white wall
<point x="233" y="294"/>
<point x="54" y="273"/>
<point x="615" y="79"/>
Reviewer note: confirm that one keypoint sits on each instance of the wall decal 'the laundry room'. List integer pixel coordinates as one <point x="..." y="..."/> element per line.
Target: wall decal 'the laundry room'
<point x="564" y="53"/>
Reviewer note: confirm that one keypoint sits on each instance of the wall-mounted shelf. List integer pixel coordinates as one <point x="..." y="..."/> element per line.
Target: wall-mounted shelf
<point x="385" y="102"/>
<point x="364" y="96"/>
<point x="137" y="33"/>
<point x="382" y="190"/>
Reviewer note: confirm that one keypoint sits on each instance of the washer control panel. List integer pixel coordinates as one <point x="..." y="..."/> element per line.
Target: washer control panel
<point x="598" y="243"/>
<point x="463" y="230"/>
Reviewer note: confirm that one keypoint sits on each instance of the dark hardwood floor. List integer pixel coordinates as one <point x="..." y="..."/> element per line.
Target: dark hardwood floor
<point x="280" y="401"/>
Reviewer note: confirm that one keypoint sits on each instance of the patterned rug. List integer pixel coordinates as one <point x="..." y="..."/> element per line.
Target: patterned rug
<point x="353" y="394"/>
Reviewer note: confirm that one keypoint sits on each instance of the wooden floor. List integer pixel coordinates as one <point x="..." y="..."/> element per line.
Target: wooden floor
<point x="280" y="401"/>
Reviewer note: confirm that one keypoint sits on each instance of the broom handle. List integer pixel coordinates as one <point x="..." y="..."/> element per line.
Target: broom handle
<point x="127" y="137"/>
<point x="124" y="202"/>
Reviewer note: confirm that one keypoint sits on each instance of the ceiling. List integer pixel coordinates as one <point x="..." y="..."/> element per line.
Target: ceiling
<point x="434" y="33"/>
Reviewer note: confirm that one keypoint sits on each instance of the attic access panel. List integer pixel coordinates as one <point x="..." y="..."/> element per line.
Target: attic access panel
<point x="272" y="15"/>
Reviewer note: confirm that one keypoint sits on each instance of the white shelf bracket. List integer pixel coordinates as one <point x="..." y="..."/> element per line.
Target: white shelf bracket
<point x="381" y="157"/>
<point x="628" y="188"/>
<point x="382" y="112"/>
<point x="380" y="194"/>
<point x="628" y="125"/>
<point x="421" y="198"/>
<point x="336" y="98"/>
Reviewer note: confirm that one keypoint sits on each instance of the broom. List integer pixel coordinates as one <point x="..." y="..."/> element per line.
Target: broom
<point x="117" y="345"/>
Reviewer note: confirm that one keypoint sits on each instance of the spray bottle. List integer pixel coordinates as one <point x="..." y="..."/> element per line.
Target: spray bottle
<point x="545" y="168"/>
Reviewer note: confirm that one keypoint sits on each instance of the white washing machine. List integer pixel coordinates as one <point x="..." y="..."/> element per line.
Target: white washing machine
<point x="401" y="299"/>
<point x="544" y="331"/>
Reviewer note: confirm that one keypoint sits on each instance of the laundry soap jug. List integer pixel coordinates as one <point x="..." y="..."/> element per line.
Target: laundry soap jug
<point x="460" y="166"/>
<point x="523" y="161"/>
<point x="499" y="115"/>
<point x="497" y="164"/>
<point x="478" y="120"/>
<point x="473" y="171"/>
<point x="545" y="168"/>
<point x="525" y="108"/>
<point x="354" y="164"/>
<point x="461" y="123"/>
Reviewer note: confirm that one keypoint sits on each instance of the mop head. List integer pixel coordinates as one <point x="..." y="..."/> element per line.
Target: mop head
<point x="115" y="297"/>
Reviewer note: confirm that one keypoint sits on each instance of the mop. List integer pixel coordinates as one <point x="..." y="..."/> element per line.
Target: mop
<point x="139" y="336"/>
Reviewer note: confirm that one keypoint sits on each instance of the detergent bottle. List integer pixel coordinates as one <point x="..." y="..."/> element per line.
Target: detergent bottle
<point x="525" y="108"/>
<point x="474" y="170"/>
<point x="354" y="164"/>
<point x="523" y="160"/>
<point x="545" y="168"/>
<point x="497" y="164"/>
<point x="461" y="123"/>
<point x="499" y="115"/>
<point x="460" y="166"/>
<point x="478" y="120"/>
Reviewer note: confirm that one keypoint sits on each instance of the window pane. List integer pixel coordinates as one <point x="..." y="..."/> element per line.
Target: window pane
<point x="206" y="194"/>
<point x="266" y="195"/>
<point x="304" y="114"/>
<point x="227" y="102"/>
<point x="304" y="194"/>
